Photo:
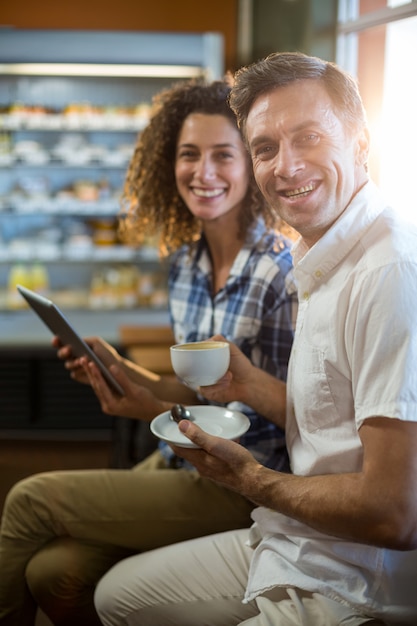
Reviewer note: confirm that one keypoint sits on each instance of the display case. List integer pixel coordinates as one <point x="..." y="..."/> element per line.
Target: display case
<point x="71" y="106"/>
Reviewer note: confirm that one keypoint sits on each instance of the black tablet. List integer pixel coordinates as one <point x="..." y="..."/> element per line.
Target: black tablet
<point x="57" y="323"/>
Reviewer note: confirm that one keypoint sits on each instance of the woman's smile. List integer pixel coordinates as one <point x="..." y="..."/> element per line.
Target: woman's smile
<point x="211" y="166"/>
<point x="208" y="192"/>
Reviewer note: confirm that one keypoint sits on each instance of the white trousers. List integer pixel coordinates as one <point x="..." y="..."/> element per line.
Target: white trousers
<point x="201" y="583"/>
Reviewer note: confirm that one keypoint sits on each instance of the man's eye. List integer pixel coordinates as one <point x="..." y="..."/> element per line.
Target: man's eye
<point x="310" y="138"/>
<point x="263" y="152"/>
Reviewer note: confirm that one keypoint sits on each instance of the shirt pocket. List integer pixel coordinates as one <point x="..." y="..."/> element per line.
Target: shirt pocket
<point x="312" y="398"/>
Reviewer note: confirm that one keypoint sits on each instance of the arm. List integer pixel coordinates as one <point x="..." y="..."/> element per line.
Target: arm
<point x="146" y="393"/>
<point x="377" y="505"/>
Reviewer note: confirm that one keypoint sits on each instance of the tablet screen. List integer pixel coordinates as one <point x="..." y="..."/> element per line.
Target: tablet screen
<point x="57" y="323"/>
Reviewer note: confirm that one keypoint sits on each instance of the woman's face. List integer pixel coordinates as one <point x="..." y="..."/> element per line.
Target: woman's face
<point x="211" y="166"/>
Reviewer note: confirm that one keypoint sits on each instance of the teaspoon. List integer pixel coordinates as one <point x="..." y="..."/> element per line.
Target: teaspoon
<point x="179" y="412"/>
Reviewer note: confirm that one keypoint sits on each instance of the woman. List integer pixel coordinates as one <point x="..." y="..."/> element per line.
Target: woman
<point x="189" y="181"/>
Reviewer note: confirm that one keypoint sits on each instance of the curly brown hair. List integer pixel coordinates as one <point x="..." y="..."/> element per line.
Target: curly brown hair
<point x="151" y="205"/>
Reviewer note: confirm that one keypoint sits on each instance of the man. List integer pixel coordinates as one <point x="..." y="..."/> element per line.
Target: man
<point x="335" y="542"/>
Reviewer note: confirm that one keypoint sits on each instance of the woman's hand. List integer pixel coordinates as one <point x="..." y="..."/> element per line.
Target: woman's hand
<point x="105" y="352"/>
<point x="249" y="384"/>
<point x="138" y="402"/>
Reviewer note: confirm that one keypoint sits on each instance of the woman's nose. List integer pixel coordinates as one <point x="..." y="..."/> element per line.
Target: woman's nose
<point x="205" y="169"/>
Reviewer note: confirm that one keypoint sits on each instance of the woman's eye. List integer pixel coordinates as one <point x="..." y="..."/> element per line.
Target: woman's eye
<point x="186" y="154"/>
<point x="224" y="155"/>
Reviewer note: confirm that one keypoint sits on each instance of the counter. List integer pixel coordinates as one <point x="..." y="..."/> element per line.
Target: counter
<point x="38" y="399"/>
<point x="24" y="328"/>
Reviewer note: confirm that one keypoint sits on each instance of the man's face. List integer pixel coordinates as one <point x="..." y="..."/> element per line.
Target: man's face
<point x="306" y="163"/>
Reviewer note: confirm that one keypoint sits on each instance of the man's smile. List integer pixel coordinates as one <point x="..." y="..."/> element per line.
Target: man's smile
<point x="299" y="191"/>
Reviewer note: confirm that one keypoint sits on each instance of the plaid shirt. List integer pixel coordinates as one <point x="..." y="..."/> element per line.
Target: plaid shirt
<point x="256" y="310"/>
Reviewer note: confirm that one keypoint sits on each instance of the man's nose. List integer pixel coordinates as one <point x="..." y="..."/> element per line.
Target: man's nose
<point x="287" y="161"/>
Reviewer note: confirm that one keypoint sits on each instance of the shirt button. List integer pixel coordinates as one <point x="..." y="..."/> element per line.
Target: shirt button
<point x="306" y="295"/>
<point x="318" y="274"/>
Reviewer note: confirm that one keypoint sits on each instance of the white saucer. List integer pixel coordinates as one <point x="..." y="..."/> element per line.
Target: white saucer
<point x="215" y="420"/>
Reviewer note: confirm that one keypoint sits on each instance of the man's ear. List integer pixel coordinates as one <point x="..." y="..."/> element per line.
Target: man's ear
<point x="362" y="147"/>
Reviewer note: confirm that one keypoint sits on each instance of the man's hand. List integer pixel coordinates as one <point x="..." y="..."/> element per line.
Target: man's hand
<point x="234" y="384"/>
<point x="223" y="461"/>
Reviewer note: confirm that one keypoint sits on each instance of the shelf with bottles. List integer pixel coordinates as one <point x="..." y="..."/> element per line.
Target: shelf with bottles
<point x="110" y="287"/>
<point x="75" y="167"/>
<point x="57" y="165"/>
<point x="77" y="116"/>
<point x="86" y="238"/>
<point x="82" y="145"/>
<point x="75" y="254"/>
<point x="63" y="194"/>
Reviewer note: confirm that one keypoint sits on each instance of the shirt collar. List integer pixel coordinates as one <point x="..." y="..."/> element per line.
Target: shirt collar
<point x="256" y="238"/>
<point x="343" y="235"/>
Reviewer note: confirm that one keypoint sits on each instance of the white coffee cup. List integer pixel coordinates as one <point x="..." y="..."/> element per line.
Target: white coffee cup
<point x="200" y="363"/>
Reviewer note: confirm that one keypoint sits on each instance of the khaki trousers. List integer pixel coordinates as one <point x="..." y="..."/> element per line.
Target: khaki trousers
<point x="61" y="531"/>
<point x="202" y="583"/>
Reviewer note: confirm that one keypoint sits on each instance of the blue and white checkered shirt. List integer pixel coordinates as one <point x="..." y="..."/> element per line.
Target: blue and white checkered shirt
<point x="256" y="310"/>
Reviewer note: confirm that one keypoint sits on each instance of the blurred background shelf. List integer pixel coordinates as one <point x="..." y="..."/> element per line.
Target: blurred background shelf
<point x="71" y="106"/>
<point x="72" y="103"/>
